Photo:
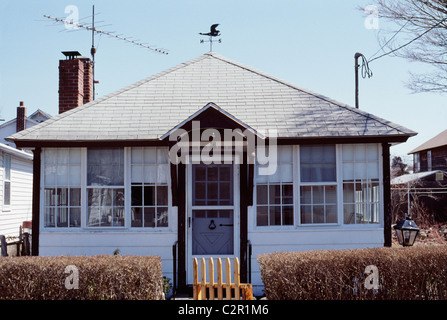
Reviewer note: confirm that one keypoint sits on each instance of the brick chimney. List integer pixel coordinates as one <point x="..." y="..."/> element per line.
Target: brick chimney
<point x="88" y="79"/>
<point x="75" y="81"/>
<point x="21" y="117"/>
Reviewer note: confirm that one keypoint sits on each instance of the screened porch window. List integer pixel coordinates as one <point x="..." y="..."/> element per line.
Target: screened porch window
<point x="361" y="189"/>
<point x="105" y="187"/>
<point x="149" y="187"/>
<point x="318" y="187"/>
<point x="62" y="188"/>
<point x="274" y="193"/>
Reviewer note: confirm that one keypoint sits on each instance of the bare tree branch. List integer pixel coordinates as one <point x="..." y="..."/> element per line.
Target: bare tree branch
<point x="420" y="36"/>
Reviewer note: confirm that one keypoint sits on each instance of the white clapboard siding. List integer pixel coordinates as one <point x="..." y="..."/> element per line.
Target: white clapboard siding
<point x="106" y="242"/>
<point x="310" y="239"/>
<point x="307" y="238"/>
<point x="12" y="216"/>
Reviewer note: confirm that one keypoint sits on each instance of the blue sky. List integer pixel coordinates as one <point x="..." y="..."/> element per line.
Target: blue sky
<point x="308" y="43"/>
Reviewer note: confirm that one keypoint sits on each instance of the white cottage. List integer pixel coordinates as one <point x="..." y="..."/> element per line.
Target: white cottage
<point x="177" y="161"/>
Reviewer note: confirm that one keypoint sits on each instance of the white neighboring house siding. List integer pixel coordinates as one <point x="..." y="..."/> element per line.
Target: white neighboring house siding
<point x="20" y="208"/>
<point x="10" y="127"/>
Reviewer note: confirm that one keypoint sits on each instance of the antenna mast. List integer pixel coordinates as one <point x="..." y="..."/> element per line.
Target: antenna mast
<point x="101" y="32"/>
<point x="93" y="49"/>
<point x="107" y="33"/>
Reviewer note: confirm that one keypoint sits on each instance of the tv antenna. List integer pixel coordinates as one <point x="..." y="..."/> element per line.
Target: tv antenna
<point x="213" y="33"/>
<point x="111" y="34"/>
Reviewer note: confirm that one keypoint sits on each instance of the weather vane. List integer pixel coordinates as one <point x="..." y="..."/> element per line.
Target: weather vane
<point x="213" y="33"/>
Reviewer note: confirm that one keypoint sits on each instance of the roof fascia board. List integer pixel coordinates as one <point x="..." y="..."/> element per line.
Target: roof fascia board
<point x="18" y="153"/>
<point x="157" y="142"/>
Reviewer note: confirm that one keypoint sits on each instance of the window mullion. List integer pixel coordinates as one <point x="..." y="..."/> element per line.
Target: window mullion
<point x="127" y="187"/>
<point x="84" y="196"/>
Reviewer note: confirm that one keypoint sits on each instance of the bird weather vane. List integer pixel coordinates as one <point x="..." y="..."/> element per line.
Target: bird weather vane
<point x="213" y="33"/>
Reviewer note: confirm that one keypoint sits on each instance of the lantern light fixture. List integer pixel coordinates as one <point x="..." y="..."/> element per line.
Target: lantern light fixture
<point x="406" y="231"/>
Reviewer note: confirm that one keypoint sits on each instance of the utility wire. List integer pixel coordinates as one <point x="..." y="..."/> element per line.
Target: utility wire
<point x="394" y="35"/>
<point x="409" y="42"/>
<point x="365" y="70"/>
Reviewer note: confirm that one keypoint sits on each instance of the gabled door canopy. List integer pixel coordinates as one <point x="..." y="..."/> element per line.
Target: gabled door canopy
<point x="213" y="116"/>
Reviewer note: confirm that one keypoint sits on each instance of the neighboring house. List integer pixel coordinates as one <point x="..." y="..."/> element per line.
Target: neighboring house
<point x="16" y="177"/>
<point x="107" y="176"/>
<point x="16" y="186"/>
<point x="428" y="183"/>
<point x="431" y="155"/>
<point x="426" y="178"/>
<point x="21" y="122"/>
<point x="428" y="189"/>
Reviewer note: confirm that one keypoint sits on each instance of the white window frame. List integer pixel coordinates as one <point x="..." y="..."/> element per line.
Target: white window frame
<point x="87" y="187"/>
<point x="84" y="199"/>
<point x="7" y="207"/>
<point x="294" y="199"/>
<point x="324" y="183"/>
<point x="56" y="186"/>
<point x="339" y="185"/>
<point x="380" y="224"/>
<point x="129" y="182"/>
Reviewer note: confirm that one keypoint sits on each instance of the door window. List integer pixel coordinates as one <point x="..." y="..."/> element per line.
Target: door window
<point x="212" y="209"/>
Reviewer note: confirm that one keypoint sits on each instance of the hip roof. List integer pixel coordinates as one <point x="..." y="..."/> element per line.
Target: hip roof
<point x="149" y="108"/>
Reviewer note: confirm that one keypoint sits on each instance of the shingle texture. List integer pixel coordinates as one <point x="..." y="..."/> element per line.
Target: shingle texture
<point x="148" y="109"/>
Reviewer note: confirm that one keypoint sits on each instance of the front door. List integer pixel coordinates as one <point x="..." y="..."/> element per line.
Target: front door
<point x="213" y="216"/>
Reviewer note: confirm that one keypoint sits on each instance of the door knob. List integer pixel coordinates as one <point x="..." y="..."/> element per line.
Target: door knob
<point x="212" y="225"/>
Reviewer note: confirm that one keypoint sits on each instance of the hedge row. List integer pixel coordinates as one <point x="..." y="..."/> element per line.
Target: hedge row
<point x="418" y="272"/>
<point x="81" y="277"/>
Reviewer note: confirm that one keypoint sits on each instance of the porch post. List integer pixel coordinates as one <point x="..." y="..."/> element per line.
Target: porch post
<point x="386" y="194"/>
<point x="36" y="202"/>
<point x="181" y="205"/>
<point x="243" y="182"/>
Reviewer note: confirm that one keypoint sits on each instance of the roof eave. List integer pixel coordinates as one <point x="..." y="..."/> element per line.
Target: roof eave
<point x="158" y="142"/>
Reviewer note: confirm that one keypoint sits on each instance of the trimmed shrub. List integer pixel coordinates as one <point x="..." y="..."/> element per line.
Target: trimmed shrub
<point x="102" y="277"/>
<point x="418" y="272"/>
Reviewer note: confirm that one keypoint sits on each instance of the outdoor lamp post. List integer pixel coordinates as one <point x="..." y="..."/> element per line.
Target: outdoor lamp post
<point x="406" y="231"/>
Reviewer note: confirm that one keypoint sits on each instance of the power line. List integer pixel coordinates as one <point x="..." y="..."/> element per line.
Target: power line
<point x="394" y="35"/>
<point x="409" y="42"/>
<point x="366" y="71"/>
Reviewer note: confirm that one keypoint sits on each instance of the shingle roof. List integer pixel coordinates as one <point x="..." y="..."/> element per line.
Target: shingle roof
<point x="435" y="142"/>
<point x="149" y="108"/>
